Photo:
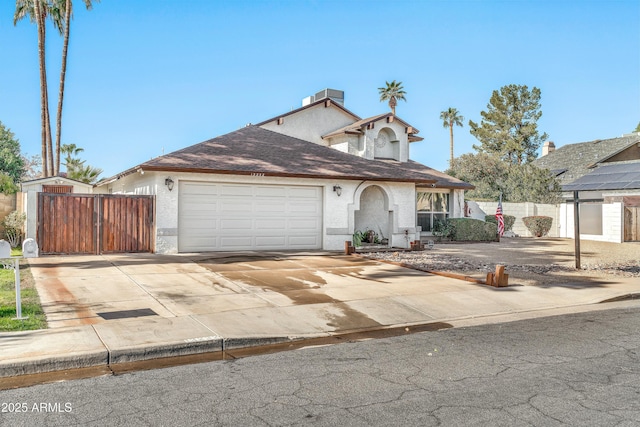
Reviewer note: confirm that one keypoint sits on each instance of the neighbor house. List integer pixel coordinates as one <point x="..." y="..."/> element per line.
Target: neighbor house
<point x="305" y="179"/>
<point x="606" y="174"/>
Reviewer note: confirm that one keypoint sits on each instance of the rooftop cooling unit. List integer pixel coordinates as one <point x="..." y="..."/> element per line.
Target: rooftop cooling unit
<point x="334" y="95"/>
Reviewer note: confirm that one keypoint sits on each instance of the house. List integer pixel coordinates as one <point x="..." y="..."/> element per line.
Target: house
<point x="606" y="174"/>
<point x="305" y="179"/>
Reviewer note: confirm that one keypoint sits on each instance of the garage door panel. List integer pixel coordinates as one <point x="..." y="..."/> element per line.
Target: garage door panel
<point x="245" y="217"/>
<point x="303" y="208"/>
<point x="270" y="241"/>
<point x="302" y="224"/>
<point x="271" y="192"/>
<point x="305" y="192"/>
<point x="304" y="241"/>
<point x="235" y="224"/>
<point x="271" y="207"/>
<point x="235" y="242"/>
<point x="236" y="191"/>
<point x="271" y="224"/>
<point x="194" y="188"/>
<point x="240" y="207"/>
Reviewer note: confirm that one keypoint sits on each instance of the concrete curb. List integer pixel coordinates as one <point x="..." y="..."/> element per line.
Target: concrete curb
<point x="105" y="358"/>
<point x="38" y="365"/>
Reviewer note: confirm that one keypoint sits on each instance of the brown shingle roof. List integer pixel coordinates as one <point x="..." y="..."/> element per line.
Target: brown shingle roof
<point x="256" y="150"/>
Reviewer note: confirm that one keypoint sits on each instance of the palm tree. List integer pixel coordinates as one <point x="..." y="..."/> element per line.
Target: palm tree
<point x="37" y="11"/>
<point x="449" y="118"/>
<point x="76" y="168"/>
<point x="63" y="23"/>
<point x="71" y="151"/>
<point x="59" y="11"/>
<point x="85" y="173"/>
<point x="392" y="93"/>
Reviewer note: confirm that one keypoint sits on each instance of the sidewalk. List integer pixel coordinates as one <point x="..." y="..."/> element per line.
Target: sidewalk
<point x="111" y="309"/>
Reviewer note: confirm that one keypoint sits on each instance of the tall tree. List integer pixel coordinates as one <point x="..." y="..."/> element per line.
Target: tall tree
<point x="12" y="167"/>
<point x="509" y="129"/>
<point x="64" y="14"/>
<point x="451" y="117"/>
<point x="637" y="128"/>
<point x="37" y="11"/>
<point x="494" y="177"/>
<point x="392" y="92"/>
<point x="60" y="13"/>
<point x="32" y="167"/>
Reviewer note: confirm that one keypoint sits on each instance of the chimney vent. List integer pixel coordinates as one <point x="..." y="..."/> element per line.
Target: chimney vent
<point x="548" y="147"/>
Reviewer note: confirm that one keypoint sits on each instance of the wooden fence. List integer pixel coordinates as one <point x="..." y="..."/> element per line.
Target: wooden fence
<point x="631" y="224"/>
<point x="95" y="223"/>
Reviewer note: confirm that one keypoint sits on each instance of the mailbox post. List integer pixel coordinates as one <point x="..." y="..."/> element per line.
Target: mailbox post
<point x="29" y="250"/>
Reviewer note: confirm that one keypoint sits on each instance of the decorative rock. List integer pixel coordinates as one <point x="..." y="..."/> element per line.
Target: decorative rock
<point x="30" y="248"/>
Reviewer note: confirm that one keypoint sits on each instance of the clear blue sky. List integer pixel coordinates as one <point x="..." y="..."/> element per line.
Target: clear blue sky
<point x="146" y="76"/>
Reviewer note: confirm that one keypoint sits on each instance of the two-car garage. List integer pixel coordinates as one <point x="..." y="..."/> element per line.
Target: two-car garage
<point x="228" y="216"/>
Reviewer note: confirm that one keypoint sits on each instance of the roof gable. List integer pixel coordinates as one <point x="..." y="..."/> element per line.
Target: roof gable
<point x="325" y="102"/>
<point x="358" y="127"/>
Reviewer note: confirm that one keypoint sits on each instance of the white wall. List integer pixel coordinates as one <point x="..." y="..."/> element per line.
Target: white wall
<point x="396" y="150"/>
<point x="563" y="224"/>
<point x="612" y="223"/>
<point x="519" y="210"/>
<point x="311" y="123"/>
<point x="338" y="211"/>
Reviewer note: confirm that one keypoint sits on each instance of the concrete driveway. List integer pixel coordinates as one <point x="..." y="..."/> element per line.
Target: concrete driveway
<point x="239" y="293"/>
<point x="272" y="294"/>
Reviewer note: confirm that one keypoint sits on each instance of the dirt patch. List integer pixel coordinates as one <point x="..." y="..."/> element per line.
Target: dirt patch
<point x="528" y="261"/>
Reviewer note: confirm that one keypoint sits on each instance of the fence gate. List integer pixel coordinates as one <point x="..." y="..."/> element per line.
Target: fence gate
<point x="95" y="223"/>
<point x="631" y="224"/>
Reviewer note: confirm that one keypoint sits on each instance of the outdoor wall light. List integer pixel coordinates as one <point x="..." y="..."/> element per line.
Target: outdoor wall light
<point x="169" y="183"/>
<point x="337" y="189"/>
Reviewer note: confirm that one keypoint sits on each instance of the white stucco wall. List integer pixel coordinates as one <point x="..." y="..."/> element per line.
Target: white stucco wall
<point x="519" y="210"/>
<point x="456" y="204"/>
<point x="394" y="150"/>
<point x="562" y="214"/>
<point x="612" y="223"/>
<point x="311" y="123"/>
<point x="338" y="211"/>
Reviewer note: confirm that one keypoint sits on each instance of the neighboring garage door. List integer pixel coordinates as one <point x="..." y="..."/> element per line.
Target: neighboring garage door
<point x="222" y="217"/>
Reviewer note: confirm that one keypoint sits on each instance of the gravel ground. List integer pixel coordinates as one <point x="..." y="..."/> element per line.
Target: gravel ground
<point x="528" y="261"/>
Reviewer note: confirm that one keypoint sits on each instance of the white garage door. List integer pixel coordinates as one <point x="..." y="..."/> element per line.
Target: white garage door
<point x="223" y="217"/>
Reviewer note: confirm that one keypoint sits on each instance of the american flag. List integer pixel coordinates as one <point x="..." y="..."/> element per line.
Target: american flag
<point x="500" y="218"/>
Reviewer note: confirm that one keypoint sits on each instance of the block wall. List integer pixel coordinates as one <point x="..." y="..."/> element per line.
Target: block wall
<point x="519" y="210"/>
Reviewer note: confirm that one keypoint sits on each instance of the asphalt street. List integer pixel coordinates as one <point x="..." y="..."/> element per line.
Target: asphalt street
<point x="578" y="370"/>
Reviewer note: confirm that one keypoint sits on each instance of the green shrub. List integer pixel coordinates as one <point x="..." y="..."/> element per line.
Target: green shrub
<point x="509" y="220"/>
<point x="538" y="225"/>
<point x="366" y="236"/>
<point x="444" y="229"/>
<point x="469" y="229"/>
